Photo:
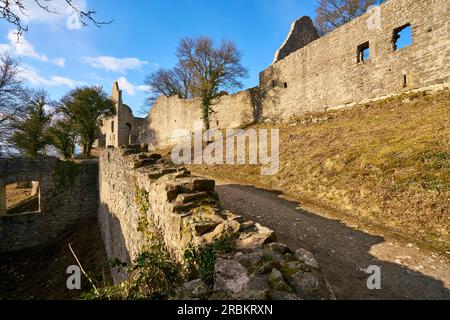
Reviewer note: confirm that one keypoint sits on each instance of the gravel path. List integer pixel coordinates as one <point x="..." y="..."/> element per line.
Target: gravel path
<point x="344" y="251"/>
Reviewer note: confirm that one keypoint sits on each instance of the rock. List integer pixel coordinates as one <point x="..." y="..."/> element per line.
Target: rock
<point x="282" y="296"/>
<point x="186" y="198"/>
<point x="276" y="281"/>
<point x="202" y="184"/>
<point x="183" y="208"/>
<point x="255" y="240"/>
<point x="306" y="285"/>
<point x="273" y="255"/>
<point x="168" y="170"/>
<point x="249" y="260"/>
<point x="204" y="226"/>
<point x="307" y="258"/>
<point x="142" y="163"/>
<point x="230" y="276"/>
<point x="196" y="289"/>
<point x="231" y="216"/>
<point x="226" y="229"/>
<point x="255" y="295"/>
<point x="269" y="266"/>
<point x="278" y="247"/>
<point x="247" y="225"/>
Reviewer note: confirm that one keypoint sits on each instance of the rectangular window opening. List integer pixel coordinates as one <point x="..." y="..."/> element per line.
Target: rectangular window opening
<point x="112" y="126"/>
<point x="402" y="37"/>
<point x="363" y="52"/>
<point x="19" y="198"/>
<point x="285" y="85"/>
<point x="405" y="81"/>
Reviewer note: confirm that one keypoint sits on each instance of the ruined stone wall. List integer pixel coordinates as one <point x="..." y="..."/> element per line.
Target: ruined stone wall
<point x="326" y="73"/>
<point x="68" y="193"/>
<point x="140" y="191"/>
<point x="169" y="114"/>
<point x="136" y="188"/>
<point x="302" y="33"/>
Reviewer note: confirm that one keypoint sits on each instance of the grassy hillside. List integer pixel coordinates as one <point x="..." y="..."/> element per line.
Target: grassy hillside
<point x="385" y="163"/>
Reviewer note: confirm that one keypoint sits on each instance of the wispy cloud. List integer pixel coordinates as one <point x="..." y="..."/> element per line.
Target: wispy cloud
<point x="59" y="11"/>
<point x="23" y="48"/>
<point x="31" y="75"/>
<point x="115" y="64"/>
<point x="130" y="88"/>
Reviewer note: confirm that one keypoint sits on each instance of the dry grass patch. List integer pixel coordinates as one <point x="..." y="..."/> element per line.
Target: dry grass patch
<point x="386" y="163"/>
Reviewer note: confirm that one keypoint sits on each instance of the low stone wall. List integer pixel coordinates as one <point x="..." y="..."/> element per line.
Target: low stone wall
<point x="68" y="192"/>
<point x="138" y="189"/>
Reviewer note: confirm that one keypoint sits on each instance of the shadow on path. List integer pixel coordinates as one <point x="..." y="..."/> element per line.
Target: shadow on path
<point x="342" y="252"/>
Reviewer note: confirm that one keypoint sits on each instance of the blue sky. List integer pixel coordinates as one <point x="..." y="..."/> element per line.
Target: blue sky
<point x="142" y="38"/>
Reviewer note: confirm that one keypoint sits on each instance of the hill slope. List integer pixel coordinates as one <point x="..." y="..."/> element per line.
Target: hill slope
<point x="385" y="163"/>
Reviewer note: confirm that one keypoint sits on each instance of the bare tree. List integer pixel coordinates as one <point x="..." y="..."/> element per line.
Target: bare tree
<point x="331" y="14"/>
<point x="214" y="69"/>
<point x="176" y="82"/>
<point x="13" y="96"/>
<point x="12" y="10"/>
<point x="203" y="71"/>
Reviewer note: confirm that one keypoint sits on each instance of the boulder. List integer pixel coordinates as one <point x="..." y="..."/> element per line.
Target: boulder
<point x="196" y="289"/>
<point x="276" y="281"/>
<point x="307" y="258"/>
<point x="305" y="284"/>
<point x="230" y="276"/>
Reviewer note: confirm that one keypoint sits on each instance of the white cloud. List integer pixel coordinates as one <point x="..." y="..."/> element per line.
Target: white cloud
<point x="32" y="75"/>
<point x="60" y="62"/>
<point x="33" y="13"/>
<point x="130" y="88"/>
<point x="23" y="48"/>
<point x="115" y="64"/>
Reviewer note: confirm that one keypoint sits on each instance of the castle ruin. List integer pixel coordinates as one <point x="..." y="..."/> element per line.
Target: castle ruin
<point x="357" y="62"/>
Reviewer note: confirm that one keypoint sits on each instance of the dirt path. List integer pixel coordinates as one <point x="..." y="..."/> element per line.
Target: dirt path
<point x="343" y="250"/>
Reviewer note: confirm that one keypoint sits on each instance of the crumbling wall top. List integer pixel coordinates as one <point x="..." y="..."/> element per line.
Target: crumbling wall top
<point x="302" y="33"/>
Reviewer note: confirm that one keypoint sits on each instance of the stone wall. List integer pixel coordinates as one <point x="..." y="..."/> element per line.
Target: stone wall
<point x="68" y="192"/>
<point x="311" y="74"/>
<point x="326" y="73"/>
<point x="139" y="190"/>
<point x="169" y="114"/>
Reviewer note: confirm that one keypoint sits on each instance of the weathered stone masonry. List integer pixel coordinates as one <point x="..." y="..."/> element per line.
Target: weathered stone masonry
<point x="68" y="193"/>
<point x="326" y="72"/>
<point x="311" y="74"/>
<point x="137" y="188"/>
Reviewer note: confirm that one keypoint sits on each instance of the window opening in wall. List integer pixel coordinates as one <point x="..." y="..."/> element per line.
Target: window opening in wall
<point x="274" y="84"/>
<point x="20" y="197"/>
<point x="405" y="81"/>
<point x="402" y="37"/>
<point x="363" y="52"/>
<point x="285" y="85"/>
<point x="112" y="126"/>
